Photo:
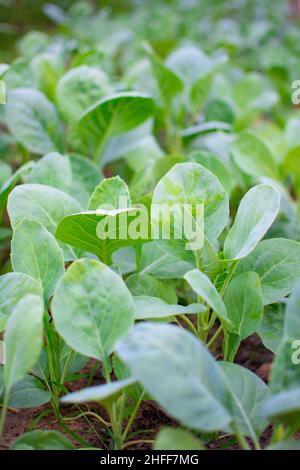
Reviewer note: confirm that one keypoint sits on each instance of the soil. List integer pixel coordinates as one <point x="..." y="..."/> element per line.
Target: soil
<point x="150" y="418"/>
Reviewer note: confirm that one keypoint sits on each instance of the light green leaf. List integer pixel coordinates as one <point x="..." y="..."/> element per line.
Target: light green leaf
<point x="111" y="192"/>
<point x="42" y="440"/>
<point x="216" y="166"/>
<point x="196" y="391"/>
<point x="43" y="204"/>
<point x="33" y="121"/>
<point x="271" y="328"/>
<point x="166" y="259"/>
<point x="24" y="327"/>
<point x="248" y="392"/>
<point x="28" y="393"/>
<point x="283" y="407"/>
<point x="244" y="303"/>
<point x="99" y="393"/>
<point x="13" y="287"/>
<point x="168" y="82"/>
<point x="102" y="232"/>
<point x="78" y="89"/>
<point x="292" y="314"/>
<point x="191" y="183"/>
<point x="52" y="170"/>
<point x="154" y="307"/>
<point x="75" y="175"/>
<point x="252" y="155"/>
<point x="111" y="116"/>
<point x="277" y="262"/>
<point x="34" y="251"/>
<point x="92" y="308"/>
<point x="256" y="213"/>
<point x="203" y="287"/>
<point x="176" y="439"/>
<point x="285" y="374"/>
<point x="144" y="284"/>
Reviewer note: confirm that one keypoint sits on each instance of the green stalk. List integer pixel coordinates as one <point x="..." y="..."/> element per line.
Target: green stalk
<point x="4" y="410"/>
<point x="132" y="417"/>
<point x="66" y="366"/>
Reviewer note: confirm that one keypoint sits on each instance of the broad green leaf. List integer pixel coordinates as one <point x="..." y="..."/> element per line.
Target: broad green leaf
<point x="144" y="284"/>
<point x="253" y="156"/>
<point x="168" y="82"/>
<point x="200" y="91"/>
<point x="52" y="170"/>
<point x="204" y="288"/>
<point x="244" y="303"/>
<point x="111" y="193"/>
<point x="196" y="393"/>
<point x="33" y="121"/>
<point x="78" y="89"/>
<point x="73" y="174"/>
<point x="292" y="314"/>
<point x="176" y="439"/>
<point x="99" y="393"/>
<point x="154" y="307"/>
<point x="92" y="308"/>
<point x="283" y="407"/>
<point x="124" y="260"/>
<point x="204" y="128"/>
<point x="256" y="213"/>
<point x="28" y="393"/>
<point x="166" y="259"/>
<point x="271" y="328"/>
<point x="285" y="373"/>
<point x="42" y="440"/>
<point x="191" y="183"/>
<point x="248" y="392"/>
<point x="191" y="63"/>
<point x="216" y="166"/>
<point x="277" y="262"/>
<point x="47" y="67"/>
<point x="85" y="177"/>
<point x="24" y="328"/>
<point x="43" y="204"/>
<point x="111" y="116"/>
<point x="102" y="232"/>
<point x="34" y="251"/>
<point x="13" y="287"/>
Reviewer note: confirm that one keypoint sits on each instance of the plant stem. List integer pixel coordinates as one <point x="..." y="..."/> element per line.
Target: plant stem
<point x="116" y="428"/>
<point x="4" y="410"/>
<point x="66" y="366"/>
<point x="133" y="443"/>
<point x="242" y="441"/>
<point x="215" y="336"/>
<point x="89" y="413"/>
<point x="190" y="325"/>
<point x="229" y="277"/>
<point x="132" y="417"/>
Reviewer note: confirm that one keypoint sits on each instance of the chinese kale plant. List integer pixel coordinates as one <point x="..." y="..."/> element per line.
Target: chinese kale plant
<point x="103" y="121"/>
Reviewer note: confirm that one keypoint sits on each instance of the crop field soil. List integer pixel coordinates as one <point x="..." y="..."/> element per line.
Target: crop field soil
<point x="150" y="225"/>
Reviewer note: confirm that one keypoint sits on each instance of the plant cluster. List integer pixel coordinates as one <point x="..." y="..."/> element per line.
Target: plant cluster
<point x="179" y="103"/>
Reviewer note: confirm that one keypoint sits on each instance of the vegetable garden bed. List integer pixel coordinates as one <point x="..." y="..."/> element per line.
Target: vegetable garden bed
<point x="149" y="226"/>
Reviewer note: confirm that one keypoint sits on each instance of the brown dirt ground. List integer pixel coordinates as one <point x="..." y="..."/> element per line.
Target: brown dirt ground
<point x="150" y="418"/>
